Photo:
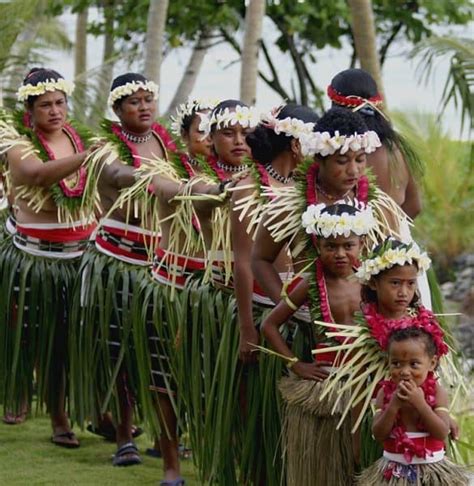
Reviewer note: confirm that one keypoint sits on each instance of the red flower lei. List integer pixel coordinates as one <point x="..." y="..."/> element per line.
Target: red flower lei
<point x="352" y="100"/>
<point x="156" y="128"/>
<point x="78" y="189"/>
<point x="212" y="161"/>
<point x="362" y="189"/>
<point x="403" y="444"/>
<point x="187" y="166"/>
<point x="380" y="327"/>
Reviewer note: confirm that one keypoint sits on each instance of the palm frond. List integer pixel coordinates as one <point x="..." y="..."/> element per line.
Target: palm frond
<point x="458" y="87"/>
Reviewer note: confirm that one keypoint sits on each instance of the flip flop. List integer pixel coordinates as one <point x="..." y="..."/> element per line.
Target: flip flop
<point x="173" y="482"/>
<point x="126" y="455"/>
<point x="152" y="452"/>
<point x="70" y="436"/>
<point x="12" y="419"/>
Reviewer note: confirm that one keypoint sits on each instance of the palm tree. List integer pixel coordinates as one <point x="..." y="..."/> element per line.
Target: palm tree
<point x="459" y="83"/>
<point x="251" y="45"/>
<point x="155" y="32"/>
<point x="365" y="39"/>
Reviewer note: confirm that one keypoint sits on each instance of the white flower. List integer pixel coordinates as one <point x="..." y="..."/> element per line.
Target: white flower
<point x="132" y="87"/>
<point x="24" y="92"/>
<point x="187" y="109"/>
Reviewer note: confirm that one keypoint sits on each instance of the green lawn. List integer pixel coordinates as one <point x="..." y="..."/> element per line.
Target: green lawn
<point x="27" y="457"/>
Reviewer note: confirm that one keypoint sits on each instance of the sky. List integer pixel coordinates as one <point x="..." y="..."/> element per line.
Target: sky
<point x="220" y="74"/>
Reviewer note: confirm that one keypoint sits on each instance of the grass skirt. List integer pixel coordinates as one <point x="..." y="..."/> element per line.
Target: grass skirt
<point x="36" y="293"/>
<point x="105" y="294"/>
<point x="316" y="453"/>
<point x="208" y="379"/>
<point x="442" y="473"/>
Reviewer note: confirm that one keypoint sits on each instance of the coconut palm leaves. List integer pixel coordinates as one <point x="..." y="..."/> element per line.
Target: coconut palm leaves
<point x="460" y="81"/>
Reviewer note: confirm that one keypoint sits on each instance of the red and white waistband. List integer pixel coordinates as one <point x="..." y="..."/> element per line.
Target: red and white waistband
<point x="434" y="448"/>
<point x="174" y="269"/>
<point x="125" y="242"/>
<point x="54" y="240"/>
<point x="259" y="296"/>
<point x="222" y="276"/>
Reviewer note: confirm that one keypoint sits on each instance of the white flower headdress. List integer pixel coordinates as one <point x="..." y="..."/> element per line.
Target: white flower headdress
<point x="245" y="116"/>
<point x="129" y="88"/>
<point x="186" y="109"/>
<point x="27" y="90"/>
<point x="387" y="257"/>
<point x="323" y="143"/>
<point x="291" y="127"/>
<point x="319" y="223"/>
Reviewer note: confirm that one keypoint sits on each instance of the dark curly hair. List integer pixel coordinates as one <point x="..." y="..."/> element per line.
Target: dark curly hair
<point x="266" y="145"/>
<point x="122" y="80"/>
<point x="369" y="295"/>
<point x="357" y="82"/>
<point x="342" y="120"/>
<point x="414" y="332"/>
<point x="39" y="75"/>
<point x="338" y="209"/>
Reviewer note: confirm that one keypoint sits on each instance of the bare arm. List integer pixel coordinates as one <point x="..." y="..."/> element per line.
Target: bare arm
<point x="243" y="281"/>
<point x="412" y="204"/>
<point x="31" y="171"/>
<point x="118" y="175"/>
<point x="265" y="252"/>
<point x="384" y="420"/>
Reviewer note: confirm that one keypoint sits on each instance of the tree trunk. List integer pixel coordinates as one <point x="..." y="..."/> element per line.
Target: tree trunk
<point x="365" y="39"/>
<point x="107" y="69"/>
<point x="155" y="33"/>
<point x="190" y="74"/>
<point x="80" y="64"/>
<point x="254" y="16"/>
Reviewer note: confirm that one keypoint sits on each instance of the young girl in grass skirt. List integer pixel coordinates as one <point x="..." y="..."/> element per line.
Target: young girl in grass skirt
<point x="316" y="452"/>
<point x="412" y="415"/>
<point x="276" y="153"/>
<point x="212" y="395"/>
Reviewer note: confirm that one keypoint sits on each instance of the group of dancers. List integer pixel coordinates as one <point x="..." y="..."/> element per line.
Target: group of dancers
<point x="248" y="279"/>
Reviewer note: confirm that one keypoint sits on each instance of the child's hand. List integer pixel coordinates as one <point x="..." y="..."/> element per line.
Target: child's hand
<point x="312" y="371"/>
<point x="409" y="392"/>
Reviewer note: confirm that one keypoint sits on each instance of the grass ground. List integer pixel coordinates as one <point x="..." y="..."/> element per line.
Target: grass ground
<point x="28" y="458"/>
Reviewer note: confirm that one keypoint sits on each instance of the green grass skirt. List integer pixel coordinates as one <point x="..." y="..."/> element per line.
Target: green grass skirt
<point x="33" y="324"/>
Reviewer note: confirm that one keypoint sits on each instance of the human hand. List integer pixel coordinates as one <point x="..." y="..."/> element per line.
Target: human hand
<point x="312" y="371"/>
<point x="453" y="428"/>
<point x="409" y="392"/>
<point x="249" y="337"/>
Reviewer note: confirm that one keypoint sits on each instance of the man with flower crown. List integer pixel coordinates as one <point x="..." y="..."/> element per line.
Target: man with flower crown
<point x="45" y="157"/>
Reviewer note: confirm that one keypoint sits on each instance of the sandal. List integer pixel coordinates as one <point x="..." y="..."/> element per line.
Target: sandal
<point x="71" y="441"/>
<point x="12" y="419"/>
<point x="173" y="482"/>
<point x="126" y="455"/>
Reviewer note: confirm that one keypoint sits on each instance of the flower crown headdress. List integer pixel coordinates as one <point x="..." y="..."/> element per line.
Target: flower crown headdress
<point x="291" y="127"/>
<point x="245" y="116"/>
<point x="27" y="90"/>
<point x="319" y="223"/>
<point x="131" y="87"/>
<point x="189" y="108"/>
<point x="323" y="143"/>
<point x="387" y="257"/>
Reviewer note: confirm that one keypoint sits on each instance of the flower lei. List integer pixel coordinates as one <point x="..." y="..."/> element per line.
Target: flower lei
<point x="381" y="328"/>
<point x="387" y="257"/>
<point x="316" y="222"/>
<point x="245" y="116"/>
<point x="189" y="108"/>
<point x="27" y="90"/>
<point x="218" y="172"/>
<point x="63" y="195"/>
<point x="127" y="150"/>
<point x="403" y="444"/>
<point x="128" y="89"/>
